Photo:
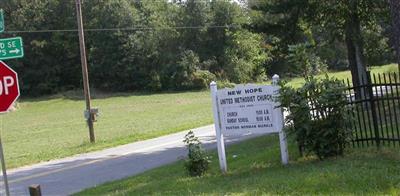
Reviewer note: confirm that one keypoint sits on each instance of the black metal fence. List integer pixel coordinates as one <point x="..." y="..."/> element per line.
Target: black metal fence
<point x="375" y="110"/>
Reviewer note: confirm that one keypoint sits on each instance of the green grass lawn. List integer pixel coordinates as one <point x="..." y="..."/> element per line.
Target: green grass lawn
<point x="257" y="170"/>
<point x="47" y="129"/>
<point x="343" y="75"/>
<point x="54" y="127"/>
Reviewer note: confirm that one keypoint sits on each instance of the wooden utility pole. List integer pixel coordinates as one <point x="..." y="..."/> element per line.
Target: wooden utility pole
<point x="86" y="89"/>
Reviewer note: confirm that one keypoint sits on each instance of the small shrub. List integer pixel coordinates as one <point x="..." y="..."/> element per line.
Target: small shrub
<point x="318" y="116"/>
<point x="198" y="162"/>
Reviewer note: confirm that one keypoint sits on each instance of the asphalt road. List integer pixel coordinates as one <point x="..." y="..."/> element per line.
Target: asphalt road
<point x="73" y="174"/>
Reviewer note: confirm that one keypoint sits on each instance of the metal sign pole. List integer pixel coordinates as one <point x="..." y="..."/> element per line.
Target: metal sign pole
<point x="15" y="47"/>
<point x="3" y="163"/>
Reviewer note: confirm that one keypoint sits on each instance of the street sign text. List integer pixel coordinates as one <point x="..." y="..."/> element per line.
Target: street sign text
<point x="5" y="85"/>
<point x="11" y="48"/>
<point x="9" y="89"/>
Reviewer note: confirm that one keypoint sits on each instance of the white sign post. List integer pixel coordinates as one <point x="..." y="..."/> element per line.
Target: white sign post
<point x="250" y="108"/>
<point x="218" y="133"/>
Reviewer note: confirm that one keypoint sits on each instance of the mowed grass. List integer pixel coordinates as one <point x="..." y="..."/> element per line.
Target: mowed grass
<point x="344" y="75"/>
<point x="257" y="170"/>
<point x="50" y="128"/>
<point x="41" y="130"/>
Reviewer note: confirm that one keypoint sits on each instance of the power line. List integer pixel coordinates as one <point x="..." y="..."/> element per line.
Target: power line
<point x="125" y="29"/>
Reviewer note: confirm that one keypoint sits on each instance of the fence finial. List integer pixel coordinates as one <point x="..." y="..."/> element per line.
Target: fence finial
<point x="275" y="79"/>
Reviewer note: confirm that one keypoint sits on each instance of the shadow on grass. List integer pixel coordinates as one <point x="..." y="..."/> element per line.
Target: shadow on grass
<point x="77" y="95"/>
<point x="66" y="176"/>
<point x="256" y="170"/>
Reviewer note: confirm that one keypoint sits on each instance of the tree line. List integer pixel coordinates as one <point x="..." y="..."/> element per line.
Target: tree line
<point x="184" y="44"/>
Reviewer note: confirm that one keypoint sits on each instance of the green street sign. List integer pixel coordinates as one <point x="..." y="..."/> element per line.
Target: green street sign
<point x="11" y="48"/>
<point x="1" y="21"/>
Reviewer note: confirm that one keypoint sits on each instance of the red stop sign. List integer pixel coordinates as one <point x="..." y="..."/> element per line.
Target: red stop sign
<point x="9" y="89"/>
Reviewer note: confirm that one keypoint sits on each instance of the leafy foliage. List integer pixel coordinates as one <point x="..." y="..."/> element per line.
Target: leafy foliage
<point x="325" y="26"/>
<point x="173" y="45"/>
<point x="318" y="116"/>
<point x="202" y="79"/>
<point x="165" y="45"/>
<point x="244" y="57"/>
<point x="304" y="59"/>
<point x="198" y="161"/>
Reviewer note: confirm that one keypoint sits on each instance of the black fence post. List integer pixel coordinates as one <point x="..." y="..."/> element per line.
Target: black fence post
<point x="34" y="190"/>
<point x="373" y="108"/>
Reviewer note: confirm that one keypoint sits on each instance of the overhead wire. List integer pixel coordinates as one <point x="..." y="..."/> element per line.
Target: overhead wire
<point x="123" y="29"/>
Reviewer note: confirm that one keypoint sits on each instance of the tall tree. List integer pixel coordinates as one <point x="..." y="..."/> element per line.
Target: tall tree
<point x="222" y="13"/>
<point x="341" y="20"/>
<point x="106" y="49"/>
<point x="354" y="42"/>
<point x="50" y="55"/>
<point x="347" y="19"/>
<point x="134" y="45"/>
<point x="278" y="21"/>
<point x="395" y="12"/>
<point x="195" y="18"/>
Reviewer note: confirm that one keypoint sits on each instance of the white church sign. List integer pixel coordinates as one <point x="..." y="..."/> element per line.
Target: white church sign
<point x="252" y="108"/>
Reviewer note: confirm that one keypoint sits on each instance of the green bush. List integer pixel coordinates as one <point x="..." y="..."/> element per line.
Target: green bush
<point x="225" y="84"/>
<point x="202" y="79"/>
<point x="198" y="162"/>
<point x="318" y="116"/>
